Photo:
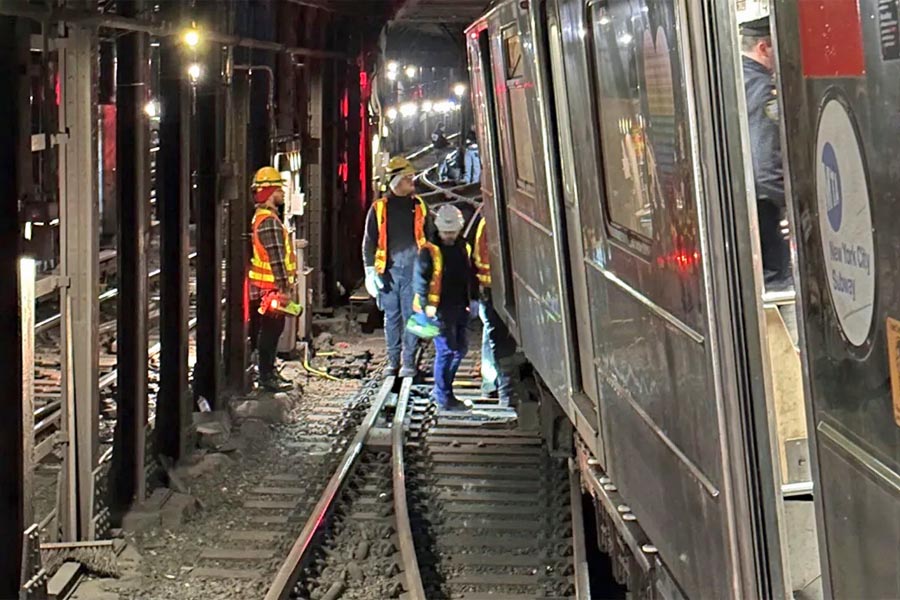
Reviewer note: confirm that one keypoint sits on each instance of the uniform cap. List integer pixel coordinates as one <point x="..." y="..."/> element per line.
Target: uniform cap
<point x="449" y="219"/>
<point x="760" y="27"/>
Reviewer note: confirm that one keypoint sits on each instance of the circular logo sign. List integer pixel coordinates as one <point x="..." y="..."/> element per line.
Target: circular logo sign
<point x="845" y="222"/>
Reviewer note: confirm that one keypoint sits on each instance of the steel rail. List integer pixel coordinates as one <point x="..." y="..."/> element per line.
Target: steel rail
<point x="415" y="589"/>
<point x="53" y="321"/>
<point x="289" y="572"/>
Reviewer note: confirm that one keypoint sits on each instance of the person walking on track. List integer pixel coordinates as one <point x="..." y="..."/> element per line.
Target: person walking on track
<point x="395" y="231"/>
<point x="444" y="288"/>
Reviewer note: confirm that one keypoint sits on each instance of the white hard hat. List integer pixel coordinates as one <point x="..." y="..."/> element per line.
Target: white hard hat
<point x="449" y="219"/>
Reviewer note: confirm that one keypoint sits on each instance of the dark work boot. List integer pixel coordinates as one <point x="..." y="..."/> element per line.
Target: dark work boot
<point x="408" y="371"/>
<point x="273" y="383"/>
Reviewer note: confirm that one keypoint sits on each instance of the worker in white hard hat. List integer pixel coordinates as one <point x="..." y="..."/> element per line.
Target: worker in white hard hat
<point x="444" y="285"/>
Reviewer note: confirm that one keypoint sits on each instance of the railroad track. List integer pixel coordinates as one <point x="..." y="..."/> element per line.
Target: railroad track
<point x="428" y="504"/>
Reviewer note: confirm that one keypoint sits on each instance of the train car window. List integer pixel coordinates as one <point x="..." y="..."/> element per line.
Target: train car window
<point x="520" y="126"/>
<point x="646" y="159"/>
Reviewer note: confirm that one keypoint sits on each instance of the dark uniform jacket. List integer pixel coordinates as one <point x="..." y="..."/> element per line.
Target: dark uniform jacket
<point x="458" y="283"/>
<point x="765" y="135"/>
<point x="765" y="145"/>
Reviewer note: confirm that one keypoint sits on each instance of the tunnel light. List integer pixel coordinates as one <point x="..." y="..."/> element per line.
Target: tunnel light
<point x="459" y="90"/>
<point x="151" y="109"/>
<point x="392" y="66"/>
<point x="604" y="20"/>
<point x="427" y="106"/>
<point x="391" y="114"/>
<point x="409" y="109"/>
<point x="411" y="71"/>
<point x="625" y="39"/>
<point x="191" y="37"/>
<point x="392" y="75"/>
<point x="194" y="72"/>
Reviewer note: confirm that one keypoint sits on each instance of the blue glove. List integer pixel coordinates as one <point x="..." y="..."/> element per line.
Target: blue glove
<point x="374" y="284"/>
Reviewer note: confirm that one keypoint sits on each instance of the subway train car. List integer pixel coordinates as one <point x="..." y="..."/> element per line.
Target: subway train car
<point x="618" y="189"/>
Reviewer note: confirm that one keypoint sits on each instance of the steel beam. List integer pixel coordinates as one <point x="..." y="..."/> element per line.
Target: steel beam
<point x="12" y="432"/>
<point x="133" y="216"/>
<point x="173" y="415"/>
<point x="237" y="110"/>
<point x="79" y="208"/>
<point x="208" y="216"/>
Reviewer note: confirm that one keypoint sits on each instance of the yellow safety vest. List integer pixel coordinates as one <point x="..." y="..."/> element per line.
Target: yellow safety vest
<point x="381" y="250"/>
<point x="261" y="275"/>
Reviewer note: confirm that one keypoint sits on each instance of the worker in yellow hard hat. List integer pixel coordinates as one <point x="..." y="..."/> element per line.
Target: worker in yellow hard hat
<point x="395" y="230"/>
<point x="273" y="271"/>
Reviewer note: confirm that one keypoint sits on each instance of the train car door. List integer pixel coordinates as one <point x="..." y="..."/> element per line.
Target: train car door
<point x="839" y="63"/>
<point x="493" y="207"/>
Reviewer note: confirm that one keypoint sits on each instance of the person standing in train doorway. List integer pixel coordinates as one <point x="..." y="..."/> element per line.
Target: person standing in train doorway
<point x="493" y="379"/>
<point x="395" y="230"/>
<point x="444" y="288"/>
<point x="763" y="117"/>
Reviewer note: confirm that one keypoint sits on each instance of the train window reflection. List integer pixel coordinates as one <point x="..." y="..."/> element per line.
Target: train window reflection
<point x="635" y="91"/>
<point x="518" y="112"/>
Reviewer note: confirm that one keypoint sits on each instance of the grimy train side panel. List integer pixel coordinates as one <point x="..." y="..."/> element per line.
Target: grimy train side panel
<point x="631" y="128"/>
<point x="530" y="296"/>
<point x="839" y="65"/>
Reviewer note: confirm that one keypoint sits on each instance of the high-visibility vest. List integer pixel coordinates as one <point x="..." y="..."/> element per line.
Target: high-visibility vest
<point x="380" y="207"/>
<point x="481" y="256"/>
<point x="261" y="275"/>
<point x="437" y="276"/>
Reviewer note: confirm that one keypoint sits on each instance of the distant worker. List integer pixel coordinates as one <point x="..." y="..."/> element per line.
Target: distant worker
<point x="765" y="142"/>
<point x="472" y="166"/>
<point x="493" y="380"/>
<point x="444" y="287"/>
<point x="273" y="270"/>
<point x="395" y="230"/>
<point x="440" y="145"/>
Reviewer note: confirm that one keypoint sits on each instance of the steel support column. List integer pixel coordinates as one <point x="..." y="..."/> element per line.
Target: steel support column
<point x="133" y="219"/>
<point x="173" y="411"/>
<point x="236" y="192"/>
<point x="208" y="216"/>
<point x="12" y="434"/>
<point x="79" y="235"/>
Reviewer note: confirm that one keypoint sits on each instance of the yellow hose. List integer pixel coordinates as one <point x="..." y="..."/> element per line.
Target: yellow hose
<point x="314" y="371"/>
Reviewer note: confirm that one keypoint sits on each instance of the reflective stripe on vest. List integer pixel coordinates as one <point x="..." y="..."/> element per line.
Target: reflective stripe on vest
<point x="482" y="257"/>
<point x="381" y="250"/>
<point x="261" y="275"/>
<point x="437" y="276"/>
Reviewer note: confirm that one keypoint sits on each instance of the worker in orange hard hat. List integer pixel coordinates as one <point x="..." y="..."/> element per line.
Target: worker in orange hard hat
<point x="273" y="270"/>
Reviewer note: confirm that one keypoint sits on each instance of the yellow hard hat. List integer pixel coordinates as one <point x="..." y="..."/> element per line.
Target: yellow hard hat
<point x="398" y="165"/>
<point x="267" y="177"/>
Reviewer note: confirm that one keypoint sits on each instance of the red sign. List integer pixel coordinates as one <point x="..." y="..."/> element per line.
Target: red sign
<point x="831" y="38"/>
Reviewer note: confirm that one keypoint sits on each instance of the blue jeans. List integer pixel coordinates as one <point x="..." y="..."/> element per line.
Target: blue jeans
<point x="492" y="377"/>
<point x="451" y="346"/>
<point x="396" y="301"/>
<point x="473" y="166"/>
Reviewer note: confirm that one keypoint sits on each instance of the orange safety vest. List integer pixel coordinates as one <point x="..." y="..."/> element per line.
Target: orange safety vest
<point x="261" y="275"/>
<point x="437" y="277"/>
<point x="380" y="206"/>
<point x="482" y="257"/>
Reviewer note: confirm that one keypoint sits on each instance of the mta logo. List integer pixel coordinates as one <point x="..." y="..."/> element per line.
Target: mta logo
<point x="833" y="199"/>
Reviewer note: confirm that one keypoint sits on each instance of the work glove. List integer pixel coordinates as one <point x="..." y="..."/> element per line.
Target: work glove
<point x="473" y="308"/>
<point x="430" y="311"/>
<point x="785" y="228"/>
<point x="374" y="284"/>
